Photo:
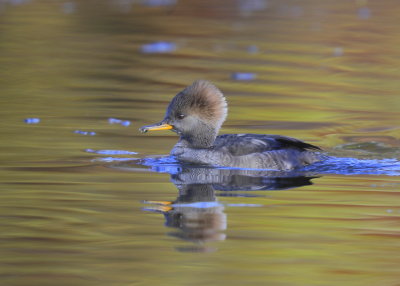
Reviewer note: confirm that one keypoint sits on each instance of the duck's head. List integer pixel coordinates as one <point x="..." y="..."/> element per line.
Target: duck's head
<point x="196" y="114"/>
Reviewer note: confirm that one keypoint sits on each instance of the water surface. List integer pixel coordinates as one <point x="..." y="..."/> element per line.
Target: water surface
<point x="79" y="207"/>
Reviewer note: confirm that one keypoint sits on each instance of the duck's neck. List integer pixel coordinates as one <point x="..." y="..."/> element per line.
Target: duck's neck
<point x="203" y="138"/>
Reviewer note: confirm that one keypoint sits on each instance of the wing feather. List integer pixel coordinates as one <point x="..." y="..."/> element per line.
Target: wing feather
<point x="243" y="144"/>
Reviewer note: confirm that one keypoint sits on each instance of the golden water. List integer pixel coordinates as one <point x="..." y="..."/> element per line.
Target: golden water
<point x="325" y="71"/>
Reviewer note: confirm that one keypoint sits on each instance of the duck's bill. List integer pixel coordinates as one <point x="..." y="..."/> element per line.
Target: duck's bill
<point x="155" y="127"/>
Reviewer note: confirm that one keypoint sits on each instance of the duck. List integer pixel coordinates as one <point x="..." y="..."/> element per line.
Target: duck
<point x="197" y="113"/>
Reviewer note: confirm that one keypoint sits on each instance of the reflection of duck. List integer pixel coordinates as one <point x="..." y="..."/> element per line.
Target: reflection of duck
<point x="197" y="113"/>
<point x="196" y="212"/>
<point x="242" y="180"/>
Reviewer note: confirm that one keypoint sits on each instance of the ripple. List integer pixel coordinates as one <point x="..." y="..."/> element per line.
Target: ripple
<point x="353" y="166"/>
<point x="331" y="165"/>
<point x="114" y="159"/>
<point x="111" y="152"/>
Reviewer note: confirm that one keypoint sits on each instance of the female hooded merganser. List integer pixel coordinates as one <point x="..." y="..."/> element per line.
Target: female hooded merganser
<point x="197" y="113"/>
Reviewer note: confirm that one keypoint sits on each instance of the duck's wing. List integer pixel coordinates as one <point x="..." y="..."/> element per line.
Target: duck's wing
<point x="243" y="144"/>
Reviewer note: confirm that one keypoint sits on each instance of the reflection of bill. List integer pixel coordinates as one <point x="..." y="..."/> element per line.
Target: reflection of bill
<point x="198" y="223"/>
<point x="196" y="212"/>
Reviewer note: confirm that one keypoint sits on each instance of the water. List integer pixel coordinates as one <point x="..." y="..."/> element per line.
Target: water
<point x="82" y="208"/>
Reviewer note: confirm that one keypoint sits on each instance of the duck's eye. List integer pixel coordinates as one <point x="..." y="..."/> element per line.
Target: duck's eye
<point x="180" y="116"/>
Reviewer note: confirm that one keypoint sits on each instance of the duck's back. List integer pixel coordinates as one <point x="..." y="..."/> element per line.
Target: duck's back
<point x="245" y="144"/>
<point x="266" y="151"/>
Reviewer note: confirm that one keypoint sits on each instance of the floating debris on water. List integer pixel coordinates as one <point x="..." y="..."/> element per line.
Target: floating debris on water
<point x="111" y="152"/>
<point x="155" y="3"/>
<point x="252" y="49"/>
<point x="338" y="51"/>
<point x="119" y="121"/>
<point x="90" y="133"/>
<point x="158" y="48"/>
<point x="364" y="13"/>
<point x="243" y="76"/>
<point x="32" y="120"/>
<point x="248" y="7"/>
<point x="69" y="7"/>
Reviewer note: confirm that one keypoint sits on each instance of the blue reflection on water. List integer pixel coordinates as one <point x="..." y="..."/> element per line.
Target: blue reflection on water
<point x="364" y="13"/>
<point x="331" y="165"/>
<point x="243" y="76"/>
<point x="119" y="121"/>
<point x="158" y="48"/>
<point x="111" y="152"/>
<point x="154" y="3"/>
<point x="32" y="120"/>
<point x="166" y="164"/>
<point x="90" y="133"/>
